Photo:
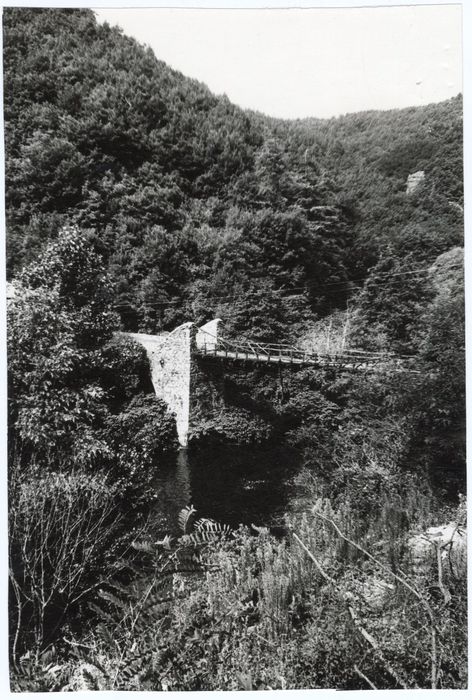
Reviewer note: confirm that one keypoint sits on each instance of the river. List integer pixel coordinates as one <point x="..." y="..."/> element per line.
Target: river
<point x="231" y="484"/>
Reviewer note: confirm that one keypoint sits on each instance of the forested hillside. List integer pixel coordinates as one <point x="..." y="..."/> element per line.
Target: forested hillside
<point x="370" y="155"/>
<point x="193" y="200"/>
<point x="200" y="208"/>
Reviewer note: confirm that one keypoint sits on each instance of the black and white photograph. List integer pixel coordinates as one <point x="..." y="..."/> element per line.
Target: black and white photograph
<point x="235" y="366"/>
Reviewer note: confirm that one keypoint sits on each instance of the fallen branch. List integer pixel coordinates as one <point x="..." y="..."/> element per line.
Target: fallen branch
<point x="373" y="643"/>
<point x="377" y="649"/>
<point x="314" y="560"/>
<point x="406" y="584"/>
<point x="364" y="677"/>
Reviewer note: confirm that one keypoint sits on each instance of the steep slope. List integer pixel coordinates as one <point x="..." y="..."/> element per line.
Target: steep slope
<point x="370" y="156"/>
<point x="203" y="209"/>
<point x="192" y="199"/>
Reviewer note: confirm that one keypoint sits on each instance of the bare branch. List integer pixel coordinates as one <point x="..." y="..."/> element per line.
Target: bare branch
<point x="364" y="677"/>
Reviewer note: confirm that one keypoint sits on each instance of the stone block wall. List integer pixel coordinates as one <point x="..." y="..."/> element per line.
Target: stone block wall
<point x="207" y="335"/>
<point x="170" y="359"/>
<point x="211" y="399"/>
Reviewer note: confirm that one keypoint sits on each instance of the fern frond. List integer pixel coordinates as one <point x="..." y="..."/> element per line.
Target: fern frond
<point x="125" y="565"/>
<point x="114" y="600"/>
<point x="166" y="543"/>
<point x="186" y="554"/>
<point x="203" y="523"/>
<point x="206" y="531"/>
<point x="198" y="539"/>
<point x="150" y="547"/>
<point x="154" y="600"/>
<point x="187" y="519"/>
<point x="260" y="530"/>
<point x="90" y="678"/>
<point x="141" y="590"/>
<point x="209" y="525"/>
<point x="136" y="665"/>
<point x="144" y="546"/>
<point x="153" y="611"/>
<point x="101" y="613"/>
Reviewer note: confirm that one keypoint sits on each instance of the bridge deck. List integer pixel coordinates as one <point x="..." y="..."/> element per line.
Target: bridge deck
<point x="346" y="361"/>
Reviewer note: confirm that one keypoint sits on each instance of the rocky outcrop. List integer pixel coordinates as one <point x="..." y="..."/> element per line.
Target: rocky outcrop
<point x="414" y="180"/>
<point x="450" y="541"/>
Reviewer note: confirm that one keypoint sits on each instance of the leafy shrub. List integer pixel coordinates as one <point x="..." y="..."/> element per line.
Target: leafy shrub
<point x="63" y="533"/>
<point x="57" y="324"/>
<point x="124" y="371"/>
<point x="232" y="425"/>
<point x="71" y="378"/>
<point x="136" y="437"/>
<point x="316" y="609"/>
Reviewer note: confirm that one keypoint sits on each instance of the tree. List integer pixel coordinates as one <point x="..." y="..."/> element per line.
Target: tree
<point x="259" y="314"/>
<point x="440" y="401"/>
<point x="60" y="333"/>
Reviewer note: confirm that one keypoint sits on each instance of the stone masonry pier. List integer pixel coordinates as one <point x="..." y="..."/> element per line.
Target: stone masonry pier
<point x="170" y="358"/>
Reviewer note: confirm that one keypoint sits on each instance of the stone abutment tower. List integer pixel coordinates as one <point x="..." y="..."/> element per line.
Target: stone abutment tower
<point x="171" y="357"/>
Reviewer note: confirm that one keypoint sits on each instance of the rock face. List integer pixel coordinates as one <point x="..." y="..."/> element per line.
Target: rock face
<point x="11" y="291"/>
<point x="413" y="180"/>
<point x="450" y="539"/>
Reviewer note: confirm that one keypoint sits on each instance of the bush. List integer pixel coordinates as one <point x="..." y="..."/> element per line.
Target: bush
<point x="314" y="610"/>
<point x="137" y="436"/>
<point x="232" y="425"/>
<point x="70" y="374"/>
<point x="63" y="534"/>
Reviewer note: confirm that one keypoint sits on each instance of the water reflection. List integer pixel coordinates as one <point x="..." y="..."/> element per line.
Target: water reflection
<point x="172" y="485"/>
<point x="231" y="484"/>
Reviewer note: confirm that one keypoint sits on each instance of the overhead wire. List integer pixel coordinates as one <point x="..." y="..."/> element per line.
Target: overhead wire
<point x="336" y="287"/>
<point x="233" y="297"/>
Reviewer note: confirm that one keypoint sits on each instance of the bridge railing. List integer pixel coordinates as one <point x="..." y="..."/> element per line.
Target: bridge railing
<point x="287" y="353"/>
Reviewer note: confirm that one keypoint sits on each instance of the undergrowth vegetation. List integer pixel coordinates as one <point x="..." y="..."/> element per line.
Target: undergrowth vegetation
<point x="243" y="611"/>
<point x="84" y="437"/>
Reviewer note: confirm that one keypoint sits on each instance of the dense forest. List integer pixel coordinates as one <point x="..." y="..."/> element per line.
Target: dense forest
<point x="137" y="200"/>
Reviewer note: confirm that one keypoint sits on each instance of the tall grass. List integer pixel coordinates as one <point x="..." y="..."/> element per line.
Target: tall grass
<point x="342" y="601"/>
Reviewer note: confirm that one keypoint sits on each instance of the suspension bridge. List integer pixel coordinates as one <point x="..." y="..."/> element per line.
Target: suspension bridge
<point x="174" y="361"/>
<point x="287" y="354"/>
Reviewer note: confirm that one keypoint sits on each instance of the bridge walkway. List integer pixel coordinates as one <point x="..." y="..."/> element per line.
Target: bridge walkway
<point x="286" y="354"/>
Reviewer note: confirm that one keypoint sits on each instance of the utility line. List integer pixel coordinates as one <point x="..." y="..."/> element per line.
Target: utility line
<point x="228" y="298"/>
<point x="381" y="275"/>
<point x="384" y="280"/>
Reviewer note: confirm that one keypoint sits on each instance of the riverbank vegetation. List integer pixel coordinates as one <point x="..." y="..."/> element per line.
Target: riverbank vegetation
<point x="315" y="609"/>
<point x="84" y="431"/>
<point x="137" y="200"/>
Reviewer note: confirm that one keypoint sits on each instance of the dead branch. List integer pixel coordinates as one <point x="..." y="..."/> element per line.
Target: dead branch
<point x="364" y="677"/>
<point x="373" y="643"/>
<point x="406" y="584"/>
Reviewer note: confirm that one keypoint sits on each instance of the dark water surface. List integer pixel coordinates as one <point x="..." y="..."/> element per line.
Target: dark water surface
<point x="229" y="483"/>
